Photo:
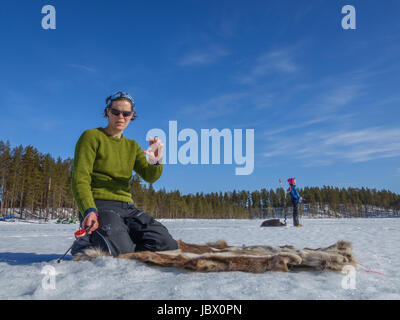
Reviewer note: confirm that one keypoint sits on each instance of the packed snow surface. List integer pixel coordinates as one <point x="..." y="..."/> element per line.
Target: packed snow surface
<point x="29" y="250"/>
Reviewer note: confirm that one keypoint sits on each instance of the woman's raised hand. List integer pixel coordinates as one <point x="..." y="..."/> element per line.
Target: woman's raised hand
<point x="155" y="150"/>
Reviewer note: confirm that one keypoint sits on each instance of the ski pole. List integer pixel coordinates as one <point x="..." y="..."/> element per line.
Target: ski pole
<point x="80" y="234"/>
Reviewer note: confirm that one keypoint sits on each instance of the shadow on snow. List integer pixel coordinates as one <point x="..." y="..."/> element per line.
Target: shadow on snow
<point x="25" y="258"/>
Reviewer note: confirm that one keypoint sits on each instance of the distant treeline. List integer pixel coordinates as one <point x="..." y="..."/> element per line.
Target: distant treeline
<point x="37" y="185"/>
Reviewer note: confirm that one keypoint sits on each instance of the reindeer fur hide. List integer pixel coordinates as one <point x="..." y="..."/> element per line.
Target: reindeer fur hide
<point x="218" y="256"/>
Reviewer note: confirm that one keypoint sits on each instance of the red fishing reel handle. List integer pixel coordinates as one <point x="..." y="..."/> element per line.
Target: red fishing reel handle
<point x="82" y="232"/>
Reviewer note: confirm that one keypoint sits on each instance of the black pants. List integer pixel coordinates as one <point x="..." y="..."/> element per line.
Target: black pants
<point x="123" y="228"/>
<point x="295" y="214"/>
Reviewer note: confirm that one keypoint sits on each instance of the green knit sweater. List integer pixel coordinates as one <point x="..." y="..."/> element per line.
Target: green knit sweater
<point x="103" y="168"/>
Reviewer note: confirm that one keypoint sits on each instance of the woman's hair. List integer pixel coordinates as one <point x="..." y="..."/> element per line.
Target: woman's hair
<point x="118" y="99"/>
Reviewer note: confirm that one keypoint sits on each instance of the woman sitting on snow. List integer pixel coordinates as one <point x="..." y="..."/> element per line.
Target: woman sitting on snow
<point x="101" y="185"/>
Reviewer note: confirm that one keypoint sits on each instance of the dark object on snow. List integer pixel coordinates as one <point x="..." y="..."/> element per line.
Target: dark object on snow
<point x="11" y="216"/>
<point x="273" y="223"/>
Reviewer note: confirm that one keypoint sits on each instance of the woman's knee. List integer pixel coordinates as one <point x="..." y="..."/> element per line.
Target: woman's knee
<point x="115" y="231"/>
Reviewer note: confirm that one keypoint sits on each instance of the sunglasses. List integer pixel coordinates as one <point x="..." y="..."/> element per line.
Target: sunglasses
<point x="125" y="114"/>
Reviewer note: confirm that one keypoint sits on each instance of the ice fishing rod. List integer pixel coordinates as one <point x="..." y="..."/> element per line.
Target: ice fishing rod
<point x="78" y="234"/>
<point x="368" y="270"/>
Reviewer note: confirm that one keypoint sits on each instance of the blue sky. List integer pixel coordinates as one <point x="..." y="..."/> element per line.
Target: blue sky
<point x="323" y="101"/>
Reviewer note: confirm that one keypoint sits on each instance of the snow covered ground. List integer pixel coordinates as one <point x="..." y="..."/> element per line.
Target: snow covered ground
<point x="29" y="250"/>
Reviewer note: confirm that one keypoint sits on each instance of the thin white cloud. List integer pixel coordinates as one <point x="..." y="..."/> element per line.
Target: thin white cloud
<point x="332" y="144"/>
<point x="232" y="102"/>
<point x="298" y="125"/>
<point x="217" y="106"/>
<point x="203" y="57"/>
<point x="279" y="61"/>
<point x="339" y="97"/>
<point x="365" y="136"/>
<point x="276" y="60"/>
<point x="322" y="147"/>
<point x="82" y="67"/>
